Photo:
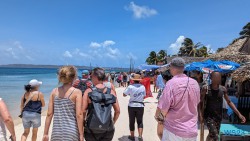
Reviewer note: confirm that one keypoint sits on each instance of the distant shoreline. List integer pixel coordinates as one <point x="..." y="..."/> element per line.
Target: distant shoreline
<point x="31" y="66"/>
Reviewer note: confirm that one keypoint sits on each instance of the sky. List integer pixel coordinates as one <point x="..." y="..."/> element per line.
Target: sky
<point x="110" y="32"/>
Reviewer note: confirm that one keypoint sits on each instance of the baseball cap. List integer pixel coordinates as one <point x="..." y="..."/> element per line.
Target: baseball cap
<point x="86" y="72"/>
<point x="35" y="82"/>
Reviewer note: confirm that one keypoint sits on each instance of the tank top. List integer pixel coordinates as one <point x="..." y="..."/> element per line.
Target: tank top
<point x="107" y="84"/>
<point x="33" y="106"/>
<point x="2" y="129"/>
<point x="64" y="123"/>
<point x="214" y="104"/>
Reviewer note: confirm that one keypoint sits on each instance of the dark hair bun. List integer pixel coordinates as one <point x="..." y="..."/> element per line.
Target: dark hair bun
<point x="27" y="88"/>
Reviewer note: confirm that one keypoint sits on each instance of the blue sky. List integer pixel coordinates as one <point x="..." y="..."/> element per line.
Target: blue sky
<point x="109" y="32"/>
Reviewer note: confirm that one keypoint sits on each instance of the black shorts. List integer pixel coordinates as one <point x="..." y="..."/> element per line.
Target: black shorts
<point x="107" y="136"/>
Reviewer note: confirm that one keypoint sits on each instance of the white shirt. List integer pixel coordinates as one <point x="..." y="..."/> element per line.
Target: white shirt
<point x="137" y="92"/>
<point x="2" y="129"/>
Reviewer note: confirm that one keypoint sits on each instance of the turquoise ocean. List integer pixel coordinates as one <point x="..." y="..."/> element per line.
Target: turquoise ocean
<point x="12" y="81"/>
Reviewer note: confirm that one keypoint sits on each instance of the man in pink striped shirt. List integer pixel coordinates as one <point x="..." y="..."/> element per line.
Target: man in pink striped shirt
<point x="178" y="105"/>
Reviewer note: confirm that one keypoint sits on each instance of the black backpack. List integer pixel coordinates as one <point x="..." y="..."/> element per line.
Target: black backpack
<point x="99" y="119"/>
<point x="83" y="86"/>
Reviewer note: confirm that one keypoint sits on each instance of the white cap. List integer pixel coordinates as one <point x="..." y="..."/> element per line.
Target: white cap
<point x="35" y="82"/>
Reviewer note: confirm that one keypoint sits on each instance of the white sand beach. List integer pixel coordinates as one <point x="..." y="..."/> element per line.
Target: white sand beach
<point x="122" y="126"/>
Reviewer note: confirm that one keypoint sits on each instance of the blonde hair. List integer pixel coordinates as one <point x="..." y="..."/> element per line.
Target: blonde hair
<point x="67" y="74"/>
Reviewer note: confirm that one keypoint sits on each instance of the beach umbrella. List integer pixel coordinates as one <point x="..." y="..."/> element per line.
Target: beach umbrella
<point x="145" y="67"/>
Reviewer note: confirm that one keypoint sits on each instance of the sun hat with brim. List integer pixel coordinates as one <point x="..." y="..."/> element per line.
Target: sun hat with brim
<point x="136" y="77"/>
<point x="35" y="82"/>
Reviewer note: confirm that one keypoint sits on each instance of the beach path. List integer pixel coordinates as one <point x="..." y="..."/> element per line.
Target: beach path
<point x="122" y="125"/>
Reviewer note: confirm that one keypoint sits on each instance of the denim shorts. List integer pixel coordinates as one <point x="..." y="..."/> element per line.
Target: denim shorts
<point x="31" y="119"/>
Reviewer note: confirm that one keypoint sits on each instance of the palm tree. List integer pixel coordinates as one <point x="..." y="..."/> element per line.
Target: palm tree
<point x="194" y="50"/>
<point x="152" y="59"/>
<point x="245" y="30"/>
<point x="186" y="47"/>
<point x="189" y="48"/>
<point x="202" y="52"/>
<point x="162" y="56"/>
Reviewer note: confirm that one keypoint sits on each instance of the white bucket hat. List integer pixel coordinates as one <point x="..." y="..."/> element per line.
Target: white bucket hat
<point x="35" y="82"/>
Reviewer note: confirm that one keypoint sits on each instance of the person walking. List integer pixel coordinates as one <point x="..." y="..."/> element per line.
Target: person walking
<point x="6" y="120"/>
<point x="154" y="80"/>
<point x="31" y="108"/>
<point x="166" y="77"/>
<point x="107" y="82"/>
<point x="83" y="83"/>
<point x="137" y="92"/>
<point x="160" y="85"/>
<point x="65" y="106"/>
<point x="124" y="79"/>
<point x="214" y="106"/>
<point x="97" y="104"/>
<point x="179" y="102"/>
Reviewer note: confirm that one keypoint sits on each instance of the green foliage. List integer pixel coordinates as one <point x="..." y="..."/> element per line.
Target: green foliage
<point x="192" y="50"/>
<point x="154" y="57"/>
<point x="245" y="30"/>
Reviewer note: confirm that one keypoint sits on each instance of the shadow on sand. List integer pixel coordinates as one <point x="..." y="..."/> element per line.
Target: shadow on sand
<point x="125" y="138"/>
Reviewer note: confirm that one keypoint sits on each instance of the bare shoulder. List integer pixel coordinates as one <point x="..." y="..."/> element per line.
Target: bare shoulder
<point x="77" y="91"/>
<point x="54" y="91"/>
<point x="40" y="93"/>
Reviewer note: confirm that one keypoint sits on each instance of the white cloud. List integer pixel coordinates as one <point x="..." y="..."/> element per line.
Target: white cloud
<point x="209" y="49"/>
<point x="175" y="47"/>
<point x="18" y="45"/>
<point x="141" y="11"/>
<point x="11" y="53"/>
<point x="113" y="53"/>
<point x="67" y="54"/>
<point x="103" y="44"/>
<point x="108" y="43"/>
<point x="95" y="45"/>
<point x="76" y="51"/>
<point x="30" y="58"/>
<point x="85" y="55"/>
<point x="132" y="56"/>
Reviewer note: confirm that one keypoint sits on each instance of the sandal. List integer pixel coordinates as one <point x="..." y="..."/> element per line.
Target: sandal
<point x="140" y="138"/>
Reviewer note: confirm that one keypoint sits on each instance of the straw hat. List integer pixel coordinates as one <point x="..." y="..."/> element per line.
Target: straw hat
<point x="136" y="77"/>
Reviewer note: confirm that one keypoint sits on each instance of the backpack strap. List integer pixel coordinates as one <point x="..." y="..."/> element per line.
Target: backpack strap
<point x="93" y="88"/>
<point x="38" y="96"/>
<point x="108" y="91"/>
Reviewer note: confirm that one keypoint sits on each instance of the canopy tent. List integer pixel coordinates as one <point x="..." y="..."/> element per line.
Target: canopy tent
<point x="145" y="67"/>
<point x="208" y="66"/>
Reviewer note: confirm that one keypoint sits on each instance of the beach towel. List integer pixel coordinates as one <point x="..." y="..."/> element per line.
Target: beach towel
<point x="146" y="82"/>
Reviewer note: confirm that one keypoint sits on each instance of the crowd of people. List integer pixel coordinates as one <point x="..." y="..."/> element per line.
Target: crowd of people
<point x="81" y="108"/>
